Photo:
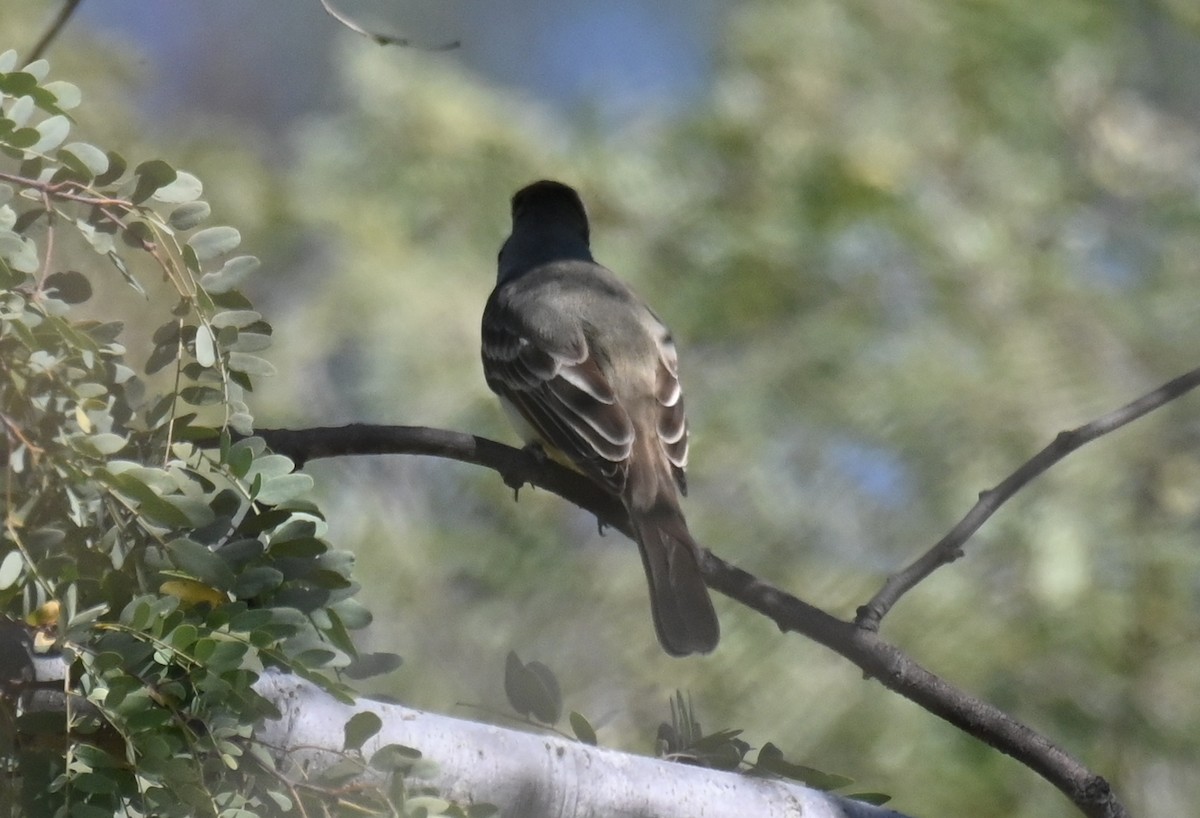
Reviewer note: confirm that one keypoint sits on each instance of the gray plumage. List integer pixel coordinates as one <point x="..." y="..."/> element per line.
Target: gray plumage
<point x="590" y="372"/>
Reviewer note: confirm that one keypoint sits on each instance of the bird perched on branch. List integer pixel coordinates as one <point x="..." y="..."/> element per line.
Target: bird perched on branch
<point x="588" y="372"/>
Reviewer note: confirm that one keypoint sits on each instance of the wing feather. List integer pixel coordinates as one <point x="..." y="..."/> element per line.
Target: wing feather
<point x="558" y="387"/>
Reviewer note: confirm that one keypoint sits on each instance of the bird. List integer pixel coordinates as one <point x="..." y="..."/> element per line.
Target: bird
<point x="589" y="373"/>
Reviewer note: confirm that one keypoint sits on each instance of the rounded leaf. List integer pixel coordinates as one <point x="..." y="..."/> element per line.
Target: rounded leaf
<point x="185" y="188"/>
<point x="206" y="347"/>
<point x="89" y="156"/>
<point x="69" y="286"/>
<point x="51" y="132"/>
<point x="66" y="94"/>
<point x="230" y="275"/>
<point x="20" y="253"/>
<point x="189" y="215"/>
<point x="532" y="689"/>
<point x="214" y="241"/>
<point x="582" y="728"/>
<point x="20" y="111"/>
<point x="38" y="69"/>
<point x="250" y="364"/>
<point x="152" y="175"/>
<point x="10" y="568"/>
<point x="359" y="728"/>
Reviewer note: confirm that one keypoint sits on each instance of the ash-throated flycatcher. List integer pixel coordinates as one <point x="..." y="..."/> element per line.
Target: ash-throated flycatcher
<point x="589" y="372"/>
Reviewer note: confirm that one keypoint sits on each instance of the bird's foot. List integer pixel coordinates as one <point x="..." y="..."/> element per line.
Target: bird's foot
<point x="536" y="458"/>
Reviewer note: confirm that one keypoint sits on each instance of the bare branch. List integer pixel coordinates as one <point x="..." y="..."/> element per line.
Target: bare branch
<point x="949" y="548"/>
<point x="379" y="39"/>
<point x="865" y="648"/>
<point x="60" y="20"/>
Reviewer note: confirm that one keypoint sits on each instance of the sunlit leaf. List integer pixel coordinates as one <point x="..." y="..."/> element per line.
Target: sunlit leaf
<point x="192" y="592"/>
<point x="51" y="132"/>
<point x="206" y="347"/>
<point x="10" y="568"/>
<point x="185" y="188"/>
<point x="66" y="94"/>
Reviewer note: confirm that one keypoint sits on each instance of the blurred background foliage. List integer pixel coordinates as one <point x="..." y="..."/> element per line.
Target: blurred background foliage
<point x="902" y="244"/>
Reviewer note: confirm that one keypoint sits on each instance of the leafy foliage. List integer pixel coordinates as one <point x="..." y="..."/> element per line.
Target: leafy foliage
<point x="175" y="555"/>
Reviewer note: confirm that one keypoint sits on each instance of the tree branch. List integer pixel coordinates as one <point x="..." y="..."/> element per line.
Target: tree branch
<point x="950" y="547"/>
<point x="375" y="36"/>
<point x="60" y="20"/>
<point x="877" y="659"/>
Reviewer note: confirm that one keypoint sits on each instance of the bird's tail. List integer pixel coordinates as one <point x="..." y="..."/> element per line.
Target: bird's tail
<point x="683" y="612"/>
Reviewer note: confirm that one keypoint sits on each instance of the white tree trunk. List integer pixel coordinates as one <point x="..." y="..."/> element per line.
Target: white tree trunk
<point x="540" y="776"/>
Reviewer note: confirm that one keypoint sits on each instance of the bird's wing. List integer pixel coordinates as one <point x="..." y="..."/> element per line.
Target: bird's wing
<point x="672" y="420"/>
<point x="555" y="382"/>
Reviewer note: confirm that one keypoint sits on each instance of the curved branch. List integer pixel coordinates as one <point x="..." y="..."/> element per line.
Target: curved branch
<point x="375" y="36"/>
<point x="60" y="21"/>
<point x="949" y="548"/>
<point x="865" y="648"/>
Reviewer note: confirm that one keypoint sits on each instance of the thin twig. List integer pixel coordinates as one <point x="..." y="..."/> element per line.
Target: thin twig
<point x="379" y="39"/>
<point x="878" y="659"/>
<point x="949" y="548"/>
<point x="60" y="20"/>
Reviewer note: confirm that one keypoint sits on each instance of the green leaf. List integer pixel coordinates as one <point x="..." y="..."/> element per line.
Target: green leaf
<point x="20" y="253"/>
<point x="202" y="395"/>
<point x="67" y="95"/>
<point x="151" y="176"/>
<point x="220" y="656"/>
<point x="582" y="728"/>
<point x="23" y="138"/>
<point x="185" y="188"/>
<point x="198" y="512"/>
<point x="431" y="804"/>
<point x="532" y="689"/>
<point x="104" y="444"/>
<point x="372" y="664"/>
<point x="281" y="489"/>
<point x="200" y="562"/>
<point x="269" y="465"/>
<point x="255" y="581"/>
<point x="154" y="508"/>
<point x="251" y="365"/>
<point x="206" y="347"/>
<point x="250" y="620"/>
<point x="116" y="168"/>
<point x="189" y="215"/>
<point x="394" y="757"/>
<point x="51" y="132"/>
<point x="100" y="240"/>
<point x="231" y="274"/>
<point x="10" y="568"/>
<point x="91" y="157"/>
<point x="359" y="728"/>
<point x="770" y="759"/>
<point x="71" y="286"/>
<point x="92" y="783"/>
<point x="38" y="69"/>
<point x="20" y="111"/>
<point x="235" y="318"/>
<point x="182" y="637"/>
<point x="214" y="241"/>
